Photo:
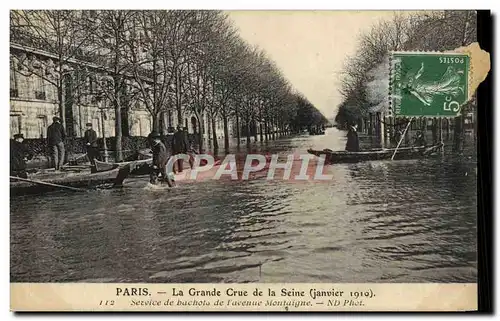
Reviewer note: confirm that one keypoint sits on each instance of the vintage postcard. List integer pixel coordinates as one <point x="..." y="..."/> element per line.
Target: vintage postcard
<point x="211" y="160"/>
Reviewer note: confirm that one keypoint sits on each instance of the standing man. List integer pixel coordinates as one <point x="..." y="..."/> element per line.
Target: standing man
<point x="160" y="160"/>
<point x="19" y="154"/>
<point x="90" y="140"/>
<point x="55" y="140"/>
<point x="180" y="146"/>
<point x="352" y="139"/>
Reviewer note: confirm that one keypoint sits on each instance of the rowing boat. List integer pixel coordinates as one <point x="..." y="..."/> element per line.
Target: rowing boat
<point x="375" y="154"/>
<point x="137" y="167"/>
<point x="37" y="183"/>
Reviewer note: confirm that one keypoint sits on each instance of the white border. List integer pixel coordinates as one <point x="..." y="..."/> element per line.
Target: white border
<point x="213" y="4"/>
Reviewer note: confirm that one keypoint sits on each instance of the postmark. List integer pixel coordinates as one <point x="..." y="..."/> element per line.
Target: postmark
<point x="428" y="84"/>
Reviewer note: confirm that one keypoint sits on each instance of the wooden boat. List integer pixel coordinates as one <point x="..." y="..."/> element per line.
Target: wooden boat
<point x="375" y="154"/>
<point x="46" y="181"/>
<point x="144" y="154"/>
<point x="42" y="161"/>
<point x="136" y="167"/>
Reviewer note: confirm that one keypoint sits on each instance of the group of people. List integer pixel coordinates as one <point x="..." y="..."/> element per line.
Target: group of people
<point x="161" y="155"/>
<point x="179" y="144"/>
<point x="20" y="154"/>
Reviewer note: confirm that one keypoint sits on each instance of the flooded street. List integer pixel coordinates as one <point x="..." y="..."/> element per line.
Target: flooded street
<point x="399" y="221"/>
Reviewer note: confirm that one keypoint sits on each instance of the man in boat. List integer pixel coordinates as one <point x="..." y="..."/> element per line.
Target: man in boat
<point x="420" y="139"/>
<point x="180" y="145"/>
<point x="19" y="155"/>
<point x="160" y="160"/>
<point x="90" y="140"/>
<point x="55" y="141"/>
<point x="352" y="144"/>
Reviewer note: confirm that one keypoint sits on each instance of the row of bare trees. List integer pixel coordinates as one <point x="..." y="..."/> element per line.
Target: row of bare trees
<point x="427" y="31"/>
<point x="184" y="62"/>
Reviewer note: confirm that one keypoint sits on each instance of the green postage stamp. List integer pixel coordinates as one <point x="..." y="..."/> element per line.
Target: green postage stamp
<point x="428" y="84"/>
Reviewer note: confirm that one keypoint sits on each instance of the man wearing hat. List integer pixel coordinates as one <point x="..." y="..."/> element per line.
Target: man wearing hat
<point x="90" y="141"/>
<point x="55" y="141"/>
<point x="160" y="160"/>
<point x="19" y="154"/>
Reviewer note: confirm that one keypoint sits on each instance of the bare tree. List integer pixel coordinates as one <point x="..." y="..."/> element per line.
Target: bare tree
<point x="155" y="49"/>
<point x="114" y="85"/>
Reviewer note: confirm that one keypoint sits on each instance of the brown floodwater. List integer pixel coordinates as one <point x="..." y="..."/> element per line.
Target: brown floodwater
<point x="381" y="221"/>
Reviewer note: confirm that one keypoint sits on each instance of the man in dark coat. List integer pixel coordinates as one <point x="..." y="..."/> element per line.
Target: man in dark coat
<point x="19" y="154"/>
<point x="180" y="146"/>
<point x="352" y="139"/>
<point x="55" y="141"/>
<point x="420" y="139"/>
<point x="160" y="160"/>
<point x="90" y="141"/>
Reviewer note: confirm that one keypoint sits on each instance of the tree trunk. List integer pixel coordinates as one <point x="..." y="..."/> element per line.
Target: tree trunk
<point x="118" y="131"/>
<point x="247" y="120"/>
<point x="200" y="134"/>
<point x="440" y="133"/>
<point x="261" y="133"/>
<point x="238" y="130"/>
<point x="214" y="135"/>
<point x="226" y="132"/>
<point x="209" y="131"/>
<point x="156" y="122"/>
<point x="255" y="133"/>
<point x="370" y="127"/>
<point x="178" y="98"/>
<point x="435" y="130"/>
<point x="266" y="125"/>
<point x="274" y="128"/>
<point x="474" y="122"/>
<point x="260" y="126"/>
<point x="62" y="101"/>
<point x="458" y="132"/>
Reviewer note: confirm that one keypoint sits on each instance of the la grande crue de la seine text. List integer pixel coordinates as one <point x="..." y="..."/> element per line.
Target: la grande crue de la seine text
<point x="233" y="292"/>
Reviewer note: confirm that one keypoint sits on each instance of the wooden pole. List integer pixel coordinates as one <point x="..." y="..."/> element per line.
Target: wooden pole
<point x="440" y="133"/>
<point x="103" y="127"/>
<point x="401" y="139"/>
<point x="382" y="129"/>
<point x="48" y="184"/>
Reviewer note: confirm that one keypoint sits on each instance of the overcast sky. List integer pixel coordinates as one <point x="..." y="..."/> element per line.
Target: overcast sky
<point x="310" y="47"/>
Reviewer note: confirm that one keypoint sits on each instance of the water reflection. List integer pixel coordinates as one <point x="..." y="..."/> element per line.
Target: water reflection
<point x="401" y="221"/>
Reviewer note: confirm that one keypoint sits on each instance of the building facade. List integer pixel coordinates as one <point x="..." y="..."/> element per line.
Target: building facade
<point x="34" y="101"/>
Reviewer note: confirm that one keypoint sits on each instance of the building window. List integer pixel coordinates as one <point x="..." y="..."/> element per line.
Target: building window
<point x="92" y="85"/>
<point x="14" y="91"/>
<point x="15" y="124"/>
<point x="42" y="126"/>
<point x="97" y="126"/>
<point x="40" y="88"/>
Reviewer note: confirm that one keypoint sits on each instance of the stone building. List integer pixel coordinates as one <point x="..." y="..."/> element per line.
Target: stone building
<point x="34" y="102"/>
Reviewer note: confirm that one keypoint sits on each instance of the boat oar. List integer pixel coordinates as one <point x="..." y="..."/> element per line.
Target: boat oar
<point x="48" y="184"/>
<point x="401" y="139"/>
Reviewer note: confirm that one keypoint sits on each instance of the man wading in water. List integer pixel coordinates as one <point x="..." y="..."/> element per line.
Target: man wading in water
<point x="160" y="160"/>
